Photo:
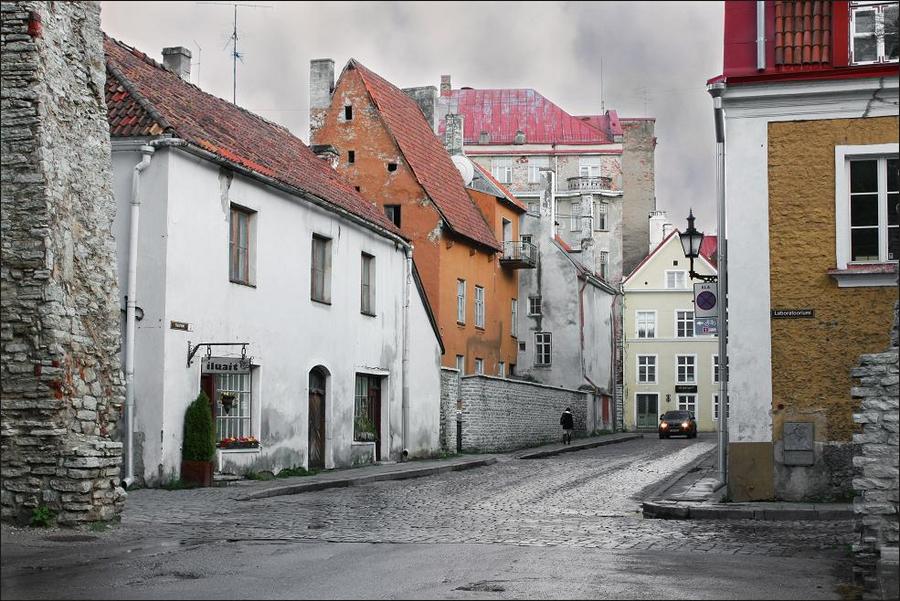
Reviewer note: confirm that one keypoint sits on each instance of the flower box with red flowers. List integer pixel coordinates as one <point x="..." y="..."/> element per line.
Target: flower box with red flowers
<point x="242" y="442"/>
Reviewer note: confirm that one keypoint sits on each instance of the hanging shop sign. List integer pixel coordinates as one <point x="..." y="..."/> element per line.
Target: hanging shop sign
<point x="685" y="388"/>
<point x="225" y="365"/>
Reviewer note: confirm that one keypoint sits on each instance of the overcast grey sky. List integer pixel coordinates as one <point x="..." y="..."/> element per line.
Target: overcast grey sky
<point x="657" y="57"/>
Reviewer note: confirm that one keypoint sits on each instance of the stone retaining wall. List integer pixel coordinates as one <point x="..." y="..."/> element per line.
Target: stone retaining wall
<point x="449" y="396"/>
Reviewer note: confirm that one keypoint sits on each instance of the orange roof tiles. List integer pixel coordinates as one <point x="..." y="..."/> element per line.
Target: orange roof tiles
<point x="802" y="32"/>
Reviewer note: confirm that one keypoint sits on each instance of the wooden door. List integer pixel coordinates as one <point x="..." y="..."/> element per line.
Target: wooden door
<point x="316" y="443"/>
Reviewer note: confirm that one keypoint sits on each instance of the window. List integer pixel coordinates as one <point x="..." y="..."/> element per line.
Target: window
<point x="514" y="317"/>
<point x="393" y="213"/>
<point x="501" y="169"/>
<point x="873" y="26"/>
<point x="526" y="239"/>
<point x="600" y="208"/>
<point x="646" y="369"/>
<point x="507" y="230"/>
<point x="351" y="156"/>
<point x="501" y="369"/>
<point x="873" y="218"/>
<point x="543" y="349"/>
<point x="688" y="402"/>
<point x="589" y="167"/>
<point x="367" y="285"/>
<point x="320" y="287"/>
<point x="461" y="364"/>
<point x="684" y="324"/>
<point x="348" y="113"/>
<point x="479" y="307"/>
<point x="687" y="369"/>
<point x="716" y="407"/>
<point x="534" y="305"/>
<point x="676" y="279"/>
<point x="392" y="167"/>
<point x="535" y="164"/>
<point x="237" y="422"/>
<point x="479" y="366"/>
<point x="646" y="324"/>
<point x="460" y="301"/>
<point x="366" y="407"/>
<point x="603" y="264"/>
<point x="240" y="245"/>
<point x="575" y="216"/>
<point x="715" y="368"/>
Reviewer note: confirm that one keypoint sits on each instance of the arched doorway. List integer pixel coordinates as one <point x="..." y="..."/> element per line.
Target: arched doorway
<point x="316" y="443"/>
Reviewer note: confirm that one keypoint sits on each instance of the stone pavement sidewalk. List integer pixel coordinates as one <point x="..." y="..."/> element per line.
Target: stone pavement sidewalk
<point x="697" y="495"/>
<point x="410" y="469"/>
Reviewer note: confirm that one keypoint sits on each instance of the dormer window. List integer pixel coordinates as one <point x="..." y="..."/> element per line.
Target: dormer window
<point x="873" y="32"/>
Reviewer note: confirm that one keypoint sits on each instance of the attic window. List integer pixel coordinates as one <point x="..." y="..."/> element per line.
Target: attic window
<point x="348" y="113"/>
<point x="357" y="188"/>
<point x="351" y="156"/>
<point x="392" y="167"/>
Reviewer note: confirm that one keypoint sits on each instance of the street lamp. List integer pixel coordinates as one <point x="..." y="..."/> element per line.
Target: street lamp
<point x="691" y="239"/>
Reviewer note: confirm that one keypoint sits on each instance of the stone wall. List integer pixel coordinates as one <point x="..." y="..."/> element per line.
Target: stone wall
<point x="639" y="185"/>
<point x="877" y="483"/>
<point x="449" y="397"/>
<point x="502" y="415"/>
<point x="61" y="381"/>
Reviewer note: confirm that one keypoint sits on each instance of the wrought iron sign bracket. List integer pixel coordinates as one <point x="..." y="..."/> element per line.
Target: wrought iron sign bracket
<point x="711" y="279"/>
<point x="192" y="350"/>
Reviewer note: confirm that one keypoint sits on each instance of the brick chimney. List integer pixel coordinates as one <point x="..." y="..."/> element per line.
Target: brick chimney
<point x="426" y="98"/>
<point x="178" y="59"/>
<point x="321" y="85"/>
<point x="453" y="135"/>
<point x="445" y="85"/>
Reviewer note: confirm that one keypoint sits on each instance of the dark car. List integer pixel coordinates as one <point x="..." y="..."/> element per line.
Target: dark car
<point x="677" y="422"/>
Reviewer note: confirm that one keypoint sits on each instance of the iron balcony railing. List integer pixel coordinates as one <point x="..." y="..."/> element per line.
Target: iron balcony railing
<point x="519" y="255"/>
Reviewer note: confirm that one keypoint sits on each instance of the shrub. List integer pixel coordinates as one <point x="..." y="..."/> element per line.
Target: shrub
<point x="42" y="516"/>
<point x="199" y="431"/>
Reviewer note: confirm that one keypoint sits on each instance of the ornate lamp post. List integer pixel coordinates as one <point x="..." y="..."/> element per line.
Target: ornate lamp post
<point x="691" y="239"/>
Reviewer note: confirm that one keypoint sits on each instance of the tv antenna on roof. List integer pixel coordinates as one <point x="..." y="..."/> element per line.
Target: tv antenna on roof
<point x="235" y="55"/>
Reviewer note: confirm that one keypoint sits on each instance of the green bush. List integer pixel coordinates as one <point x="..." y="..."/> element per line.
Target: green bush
<point x="42" y="517"/>
<point x="199" y="431"/>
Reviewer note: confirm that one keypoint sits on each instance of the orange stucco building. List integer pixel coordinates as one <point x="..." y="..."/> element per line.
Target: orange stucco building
<point x="386" y="148"/>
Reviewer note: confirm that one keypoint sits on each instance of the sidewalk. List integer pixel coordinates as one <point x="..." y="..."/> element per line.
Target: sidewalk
<point x="411" y="469"/>
<point x="697" y="495"/>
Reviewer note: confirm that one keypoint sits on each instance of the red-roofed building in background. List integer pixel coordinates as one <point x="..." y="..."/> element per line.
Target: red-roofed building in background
<point x="263" y="279"/>
<point x="465" y="239"/>
<point x="809" y="96"/>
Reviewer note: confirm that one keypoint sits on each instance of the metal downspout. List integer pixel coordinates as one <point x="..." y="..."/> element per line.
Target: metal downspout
<point x="405" y="361"/>
<point x="134" y="226"/>
<point x="722" y="280"/>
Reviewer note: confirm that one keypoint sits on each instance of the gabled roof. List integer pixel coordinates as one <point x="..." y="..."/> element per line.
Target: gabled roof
<point x="498" y="189"/>
<point x="427" y="157"/>
<point x="503" y="112"/>
<point x="707" y="252"/>
<point x="145" y="98"/>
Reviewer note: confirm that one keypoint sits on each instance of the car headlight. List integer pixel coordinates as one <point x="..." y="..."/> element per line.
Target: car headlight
<point x="664" y="425"/>
<point x="684" y="424"/>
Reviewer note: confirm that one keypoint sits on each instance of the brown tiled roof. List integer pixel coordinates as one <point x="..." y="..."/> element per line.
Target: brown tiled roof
<point x="427" y="157"/>
<point x="145" y="98"/>
<point x="802" y="32"/>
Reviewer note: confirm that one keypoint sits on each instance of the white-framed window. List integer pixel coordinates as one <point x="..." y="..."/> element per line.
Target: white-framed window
<point x="535" y="164"/>
<point x="461" y="364"/>
<point x="600" y="211"/>
<point x="501" y="169"/>
<point x="873" y="32"/>
<point x="686" y="368"/>
<point x="479" y="307"/>
<point x="589" y="167"/>
<point x="716" y="407"/>
<point x="241" y="245"/>
<point x="534" y="305"/>
<point x="479" y="366"/>
<point x="688" y="402"/>
<point x="501" y="369"/>
<point x="514" y="317"/>
<point x="238" y="421"/>
<point x="320" y="269"/>
<point x="460" y="301"/>
<point x="646" y="369"/>
<point x="715" y="369"/>
<point x="866" y="194"/>
<point x="603" y="264"/>
<point x="575" y="216"/>
<point x="676" y="279"/>
<point x="645" y="322"/>
<point x="684" y="324"/>
<point x="367" y="284"/>
<point x="367" y="403"/>
<point x="543" y="348"/>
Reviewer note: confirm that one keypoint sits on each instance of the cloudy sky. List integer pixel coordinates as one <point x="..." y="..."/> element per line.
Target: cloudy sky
<point x="656" y="56"/>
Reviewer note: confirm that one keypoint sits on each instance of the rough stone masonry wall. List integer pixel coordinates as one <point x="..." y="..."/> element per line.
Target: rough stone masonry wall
<point x="59" y="340"/>
<point x="502" y="415"/>
<point x="449" y="396"/>
<point x="877" y="483"/>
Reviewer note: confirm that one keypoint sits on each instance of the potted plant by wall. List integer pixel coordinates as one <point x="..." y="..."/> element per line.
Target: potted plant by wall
<point x="199" y="443"/>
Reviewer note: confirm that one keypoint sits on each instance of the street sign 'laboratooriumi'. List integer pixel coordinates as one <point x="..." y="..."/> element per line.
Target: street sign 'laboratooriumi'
<point x="793" y="313"/>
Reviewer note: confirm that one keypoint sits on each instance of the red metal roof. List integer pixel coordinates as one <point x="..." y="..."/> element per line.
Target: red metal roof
<point x="501" y="113"/>
<point x="145" y="98"/>
<point x="427" y="157"/>
<point x="708" y="249"/>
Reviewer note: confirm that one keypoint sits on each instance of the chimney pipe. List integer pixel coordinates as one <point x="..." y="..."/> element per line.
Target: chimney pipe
<point x="453" y="136"/>
<point x="445" y="85"/>
<point x="178" y="59"/>
<point x="321" y="85"/>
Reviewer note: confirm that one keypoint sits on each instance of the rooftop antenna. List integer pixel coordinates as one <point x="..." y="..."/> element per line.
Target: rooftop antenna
<point x="199" y="52"/>
<point x="602" y="88"/>
<point x="235" y="55"/>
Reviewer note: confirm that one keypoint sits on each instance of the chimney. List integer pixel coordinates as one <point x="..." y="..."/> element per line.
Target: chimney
<point x="547" y="225"/>
<point x="321" y="85"/>
<point x="453" y="136"/>
<point x="520" y="137"/>
<point x="327" y="153"/>
<point x="178" y="59"/>
<point x="658" y="228"/>
<point x="445" y="85"/>
<point x="426" y="98"/>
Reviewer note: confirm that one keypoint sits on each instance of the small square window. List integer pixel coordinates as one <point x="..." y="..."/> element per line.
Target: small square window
<point x="351" y="156"/>
<point x="392" y="167"/>
<point x="393" y="213"/>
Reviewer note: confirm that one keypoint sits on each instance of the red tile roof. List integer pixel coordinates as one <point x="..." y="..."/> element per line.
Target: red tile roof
<point x="427" y="157"/>
<point x="802" y="32"/>
<point x="708" y="249"/>
<point x="503" y="189"/>
<point x="145" y="98"/>
<point x="501" y="113"/>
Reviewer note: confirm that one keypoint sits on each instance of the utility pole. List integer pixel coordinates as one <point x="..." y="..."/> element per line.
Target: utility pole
<point x="235" y="55"/>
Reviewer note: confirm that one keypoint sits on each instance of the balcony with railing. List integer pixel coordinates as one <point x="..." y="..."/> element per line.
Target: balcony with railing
<point x="519" y="255"/>
<point x="584" y="183"/>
